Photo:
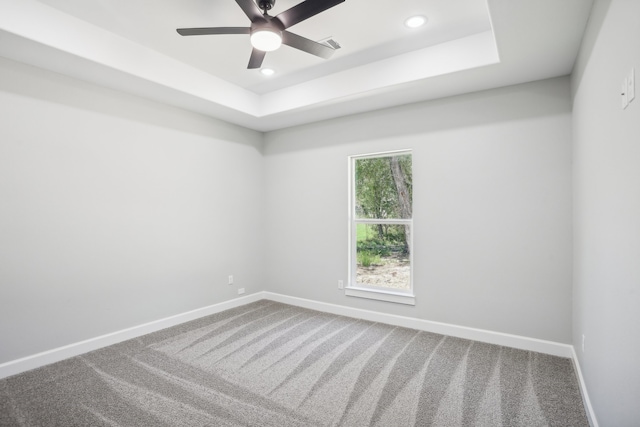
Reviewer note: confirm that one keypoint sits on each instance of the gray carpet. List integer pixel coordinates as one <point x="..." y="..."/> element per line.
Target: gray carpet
<point x="270" y="364"/>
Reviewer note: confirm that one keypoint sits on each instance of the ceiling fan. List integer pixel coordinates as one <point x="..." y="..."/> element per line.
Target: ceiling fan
<point x="269" y="32"/>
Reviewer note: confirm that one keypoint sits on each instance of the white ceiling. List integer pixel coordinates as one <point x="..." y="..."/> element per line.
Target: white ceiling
<point x="131" y="45"/>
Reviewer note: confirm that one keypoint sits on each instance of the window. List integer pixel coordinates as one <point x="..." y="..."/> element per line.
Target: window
<point x="380" y="229"/>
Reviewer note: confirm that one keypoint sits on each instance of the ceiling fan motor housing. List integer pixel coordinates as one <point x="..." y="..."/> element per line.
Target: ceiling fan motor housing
<point x="266" y="4"/>
<point x="268" y="24"/>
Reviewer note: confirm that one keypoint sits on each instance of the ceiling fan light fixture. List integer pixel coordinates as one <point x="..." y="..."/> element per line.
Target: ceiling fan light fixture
<point x="268" y="33"/>
<point x="266" y="40"/>
<point x="415" y="21"/>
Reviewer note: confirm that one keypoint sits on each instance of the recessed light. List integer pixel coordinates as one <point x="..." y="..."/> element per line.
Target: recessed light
<point x="415" y="21"/>
<point x="267" y="71"/>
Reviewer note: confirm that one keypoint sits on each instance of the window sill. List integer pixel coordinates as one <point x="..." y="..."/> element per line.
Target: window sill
<point x="380" y="295"/>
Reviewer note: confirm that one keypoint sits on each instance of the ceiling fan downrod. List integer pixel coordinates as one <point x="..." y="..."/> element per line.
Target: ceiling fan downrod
<point x="266" y="5"/>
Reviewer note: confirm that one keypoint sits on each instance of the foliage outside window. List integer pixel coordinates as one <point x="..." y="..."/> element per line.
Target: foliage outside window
<point x="381" y="223"/>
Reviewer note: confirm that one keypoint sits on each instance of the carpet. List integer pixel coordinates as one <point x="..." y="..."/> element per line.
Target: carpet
<point x="271" y="364"/>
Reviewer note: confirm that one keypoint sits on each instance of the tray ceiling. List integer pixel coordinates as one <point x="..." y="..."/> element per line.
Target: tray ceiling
<point x="132" y="45"/>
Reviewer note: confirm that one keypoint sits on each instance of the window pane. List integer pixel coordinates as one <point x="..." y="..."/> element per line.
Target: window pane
<point x="382" y="253"/>
<point x="383" y="187"/>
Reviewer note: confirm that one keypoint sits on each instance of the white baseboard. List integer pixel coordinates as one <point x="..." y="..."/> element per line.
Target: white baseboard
<point x="498" y="338"/>
<point x="593" y="421"/>
<point x="57" y="354"/>
<point x="17" y="366"/>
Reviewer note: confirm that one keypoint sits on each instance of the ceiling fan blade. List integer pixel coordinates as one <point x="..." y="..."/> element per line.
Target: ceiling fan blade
<point x="257" y="56"/>
<point x="213" y="30"/>
<point x="306" y="45"/>
<point x="304" y="10"/>
<point x="250" y="9"/>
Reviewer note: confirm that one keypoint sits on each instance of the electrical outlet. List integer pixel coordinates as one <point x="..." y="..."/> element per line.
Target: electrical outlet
<point x="631" y="86"/>
<point x="231" y="279"/>
<point x="583" y="343"/>
<point x="240" y="291"/>
<point x="340" y="284"/>
<point x="623" y="94"/>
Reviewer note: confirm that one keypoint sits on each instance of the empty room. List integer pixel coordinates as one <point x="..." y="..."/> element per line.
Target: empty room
<point x="319" y="213"/>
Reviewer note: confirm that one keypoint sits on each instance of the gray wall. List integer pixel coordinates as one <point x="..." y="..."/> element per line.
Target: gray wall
<point x="115" y="211"/>
<point x="492" y="207"/>
<point x="118" y="211"/>
<point x="607" y="213"/>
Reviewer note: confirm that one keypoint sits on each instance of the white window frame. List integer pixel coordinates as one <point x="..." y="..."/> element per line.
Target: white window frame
<point x="354" y="289"/>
